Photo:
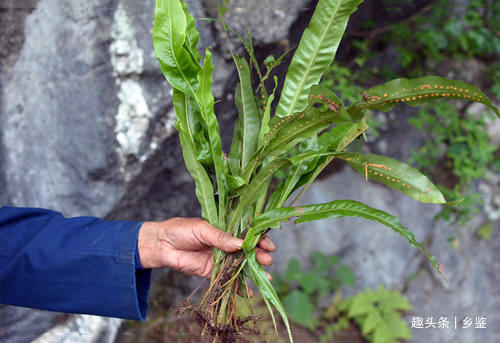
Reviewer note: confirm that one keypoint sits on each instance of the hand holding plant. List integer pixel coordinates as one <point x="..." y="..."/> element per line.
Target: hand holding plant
<point x="185" y="244"/>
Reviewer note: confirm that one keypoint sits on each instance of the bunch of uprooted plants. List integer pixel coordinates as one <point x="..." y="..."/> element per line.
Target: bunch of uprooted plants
<point x="309" y="127"/>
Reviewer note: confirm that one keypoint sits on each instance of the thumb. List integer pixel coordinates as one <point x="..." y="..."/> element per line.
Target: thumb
<point x="214" y="237"/>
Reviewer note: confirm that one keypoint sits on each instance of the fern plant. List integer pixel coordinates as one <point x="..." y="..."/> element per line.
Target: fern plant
<point x="378" y="314"/>
<point x="309" y="128"/>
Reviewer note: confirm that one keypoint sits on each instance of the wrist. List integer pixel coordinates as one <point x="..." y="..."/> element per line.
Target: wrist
<point x="147" y="245"/>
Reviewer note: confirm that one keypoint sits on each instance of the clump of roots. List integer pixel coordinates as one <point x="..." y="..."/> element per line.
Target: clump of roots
<point x="216" y="314"/>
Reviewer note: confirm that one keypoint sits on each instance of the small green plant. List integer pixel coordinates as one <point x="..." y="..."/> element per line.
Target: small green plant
<point x="459" y="143"/>
<point x="378" y="315"/>
<point x="309" y="128"/>
<point x="302" y="291"/>
<point x="485" y="231"/>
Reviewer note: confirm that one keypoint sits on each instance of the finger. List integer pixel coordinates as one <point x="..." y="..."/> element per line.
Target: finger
<point x="250" y="293"/>
<point x="263" y="257"/>
<point x="213" y="237"/>
<point x="267" y="244"/>
<point x="269" y="276"/>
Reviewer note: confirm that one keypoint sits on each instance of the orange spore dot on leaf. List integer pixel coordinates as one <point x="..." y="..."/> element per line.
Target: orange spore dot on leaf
<point x="414" y="98"/>
<point x="408" y="99"/>
<point x="435" y="86"/>
<point x="385" y="95"/>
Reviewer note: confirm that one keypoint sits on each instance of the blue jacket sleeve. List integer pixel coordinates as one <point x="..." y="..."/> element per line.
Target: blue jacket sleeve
<point x="78" y="265"/>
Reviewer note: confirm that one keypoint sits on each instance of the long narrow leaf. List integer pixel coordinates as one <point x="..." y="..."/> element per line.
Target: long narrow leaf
<point x="169" y="36"/>
<point x="417" y="91"/>
<point x="192" y="34"/>
<point x="204" y="186"/>
<point x="246" y="131"/>
<point x="395" y="174"/>
<point x="316" y="51"/>
<point x="334" y="209"/>
<point x="259" y="276"/>
<point x="206" y="103"/>
<point x="266" y="116"/>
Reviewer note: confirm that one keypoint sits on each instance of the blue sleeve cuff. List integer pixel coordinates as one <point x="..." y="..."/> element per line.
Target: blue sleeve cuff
<point x="77" y="265"/>
<point x="138" y="263"/>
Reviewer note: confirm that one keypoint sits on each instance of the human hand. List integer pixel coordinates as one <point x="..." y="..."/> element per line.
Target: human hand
<point x="185" y="244"/>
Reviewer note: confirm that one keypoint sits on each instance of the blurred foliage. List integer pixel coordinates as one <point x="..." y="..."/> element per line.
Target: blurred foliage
<point x="378" y="315"/>
<point x="302" y="291"/>
<point x="485" y="231"/>
<point x="460" y="142"/>
<point x="313" y="299"/>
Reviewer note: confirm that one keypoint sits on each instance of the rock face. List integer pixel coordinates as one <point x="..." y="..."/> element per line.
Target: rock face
<point x="86" y="128"/>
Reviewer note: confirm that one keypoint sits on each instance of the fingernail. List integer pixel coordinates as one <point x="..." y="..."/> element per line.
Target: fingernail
<point x="239" y="244"/>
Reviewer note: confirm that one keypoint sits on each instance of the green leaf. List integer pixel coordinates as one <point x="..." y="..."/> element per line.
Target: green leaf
<point x="300" y="309"/>
<point x="246" y="131"/>
<point x="337" y="139"/>
<point x="362" y="304"/>
<point x="296" y="171"/>
<point x="204" y="186"/>
<point x="169" y="36"/>
<point x="371" y="321"/>
<point x="205" y="100"/>
<point x="316" y="51"/>
<point x="346" y="275"/>
<point x="253" y="191"/>
<point x="234" y="182"/>
<point x="293" y="270"/>
<point x="192" y="35"/>
<point x="287" y="132"/>
<point x="334" y="209"/>
<point x="395" y="174"/>
<point x="312" y="282"/>
<point x="264" y="126"/>
<point x="259" y="276"/>
<point x="418" y="91"/>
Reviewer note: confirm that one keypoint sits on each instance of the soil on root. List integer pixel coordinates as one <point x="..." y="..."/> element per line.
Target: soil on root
<point x="217" y="315"/>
